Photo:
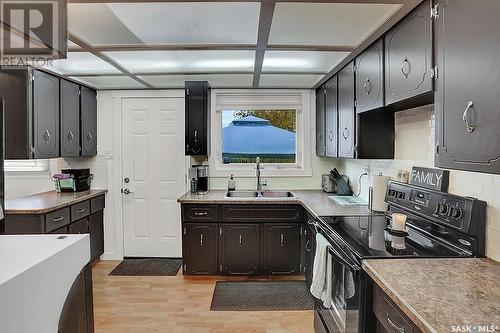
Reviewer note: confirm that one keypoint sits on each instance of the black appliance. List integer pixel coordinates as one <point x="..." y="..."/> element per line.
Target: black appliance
<point x="439" y="225"/>
<point x="2" y="177"/>
<point x="341" y="185"/>
<point x="83" y="178"/>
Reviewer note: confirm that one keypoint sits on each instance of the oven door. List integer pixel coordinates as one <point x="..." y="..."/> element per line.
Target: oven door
<point x="343" y="314"/>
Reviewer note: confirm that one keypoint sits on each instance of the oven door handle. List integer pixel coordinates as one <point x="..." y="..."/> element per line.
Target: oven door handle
<point x="343" y="259"/>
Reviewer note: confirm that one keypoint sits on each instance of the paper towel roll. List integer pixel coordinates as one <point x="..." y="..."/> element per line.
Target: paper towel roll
<point x="378" y="184"/>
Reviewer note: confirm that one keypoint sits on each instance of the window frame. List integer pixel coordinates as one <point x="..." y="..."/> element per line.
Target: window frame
<point x="246" y="99"/>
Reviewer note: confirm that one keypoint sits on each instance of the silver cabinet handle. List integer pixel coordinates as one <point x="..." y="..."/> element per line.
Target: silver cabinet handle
<point x="330" y="136"/>
<point x="368" y="86"/>
<point x="345" y="133"/>
<point x="46" y="136"/>
<point x="201" y="240"/>
<point x="308" y="248"/>
<point x="89" y="137"/>
<point x="70" y="136"/>
<point x="282" y="240"/>
<point x="58" y="219"/>
<point x="201" y="213"/>
<point x="400" y="329"/>
<point x="240" y="242"/>
<point x="195" y="136"/>
<point x="80" y="210"/>
<point x="470" y="128"/>
<point x="405" y="68"/>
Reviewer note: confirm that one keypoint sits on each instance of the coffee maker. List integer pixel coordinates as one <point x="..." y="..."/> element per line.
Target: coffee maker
<point x="199" y="179"/>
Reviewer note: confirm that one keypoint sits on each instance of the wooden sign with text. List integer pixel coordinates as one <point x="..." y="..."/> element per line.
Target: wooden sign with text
<point x="435" y="179"/>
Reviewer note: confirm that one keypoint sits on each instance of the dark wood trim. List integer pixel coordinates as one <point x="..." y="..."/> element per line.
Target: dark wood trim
<point x="265" y="20"/>
<point x="408" y="6"/>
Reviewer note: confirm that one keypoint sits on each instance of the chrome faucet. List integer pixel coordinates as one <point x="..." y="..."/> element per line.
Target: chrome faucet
<point x="259" y="185"/>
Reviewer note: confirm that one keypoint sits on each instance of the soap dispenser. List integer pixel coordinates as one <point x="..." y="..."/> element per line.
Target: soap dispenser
<point x="231" y="183"/>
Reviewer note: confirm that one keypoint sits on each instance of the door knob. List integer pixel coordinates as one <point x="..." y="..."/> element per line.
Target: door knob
<point x="127" y="191"/>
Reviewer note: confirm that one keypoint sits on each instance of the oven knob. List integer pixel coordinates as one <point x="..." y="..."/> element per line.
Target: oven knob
<point x="400" y="195"/>
<point x="456" y="213"/>
<point x="442" y="208"/>
<point x="392" y="193"/>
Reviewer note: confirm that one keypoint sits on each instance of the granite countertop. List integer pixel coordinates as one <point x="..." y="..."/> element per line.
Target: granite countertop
<point x="316" y="202"/>
<point x="47" y="201"/>
<point x="437" y="294"/>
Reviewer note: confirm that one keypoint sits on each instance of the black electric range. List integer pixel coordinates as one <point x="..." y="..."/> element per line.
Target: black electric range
<point x="438" y="225"/>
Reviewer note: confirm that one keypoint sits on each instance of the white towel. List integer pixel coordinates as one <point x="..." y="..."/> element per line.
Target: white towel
<point x="321" y="286"/>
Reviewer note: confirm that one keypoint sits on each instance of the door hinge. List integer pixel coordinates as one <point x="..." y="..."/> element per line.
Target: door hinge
<point x="435" y="12"/>
<point x="220" y="268"/>
<point x="434" y="72"/>
<point x="187" y="92"/>
<point x="185" y="231"/>
<point x="355" y="103"/>
<point x="185" y="267"/>
<point x="32" y="150"/>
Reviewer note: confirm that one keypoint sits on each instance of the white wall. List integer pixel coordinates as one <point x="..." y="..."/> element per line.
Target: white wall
<point x="415" y="146"/>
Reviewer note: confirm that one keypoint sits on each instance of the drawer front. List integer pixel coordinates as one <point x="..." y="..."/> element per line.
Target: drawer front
<point x="97" y="204"/>
<point x="199" y="213"/>
<point x="253" y="213"/>
<point x="80" y="210"/>
<point x="57" y="219"/>
<point x="389" y="315"/>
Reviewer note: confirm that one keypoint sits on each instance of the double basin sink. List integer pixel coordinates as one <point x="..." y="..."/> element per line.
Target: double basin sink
<point x="259" y="194"/>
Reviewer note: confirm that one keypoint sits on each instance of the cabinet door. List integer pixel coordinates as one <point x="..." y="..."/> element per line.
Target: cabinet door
<point x="320" y="121"/>
<point x="74" y="313"/>
<point x="196" y="117"/>
<point x="408" y="56"/>
<point x="239" y="249"/>
<point x="347" y="126"/>
<point x="309" y="249"/>
<point x="88" y="121"/>
<point x="79" y="227"/>
<point x="45" y="115"/>
<point x="96" y="229"/>
<point x="331" y="118"/>
<point x="370" y="78"/>
<point x="70" y="119"/>
<point x="467" y="89"/>
<point x="199" y="253"/>
<point x="281" y="248"/>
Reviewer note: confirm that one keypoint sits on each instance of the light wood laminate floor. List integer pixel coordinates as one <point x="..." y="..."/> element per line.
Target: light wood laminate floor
<point x="178" y="304"/>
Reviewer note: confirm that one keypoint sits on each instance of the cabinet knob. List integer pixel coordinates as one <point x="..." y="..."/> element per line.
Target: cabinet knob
<point x="70" y="136"/>
<point x="368" y="86"/>
<point x="46" y="136"/>
<point x="240" y="241"/>
<point x="345" y="133"/>
<point x="405" y="68"/>
<point x="89" y="137"/>
<point x="282" y="240"/>
<point x="201" y="240"/>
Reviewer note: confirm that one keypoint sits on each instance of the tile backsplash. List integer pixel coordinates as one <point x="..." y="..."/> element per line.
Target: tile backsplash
<point x="415" y="147"/>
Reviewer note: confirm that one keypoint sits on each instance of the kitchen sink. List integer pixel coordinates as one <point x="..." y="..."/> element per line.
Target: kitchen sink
<point x="242" y="194"/>
<point x="261" y="194"/>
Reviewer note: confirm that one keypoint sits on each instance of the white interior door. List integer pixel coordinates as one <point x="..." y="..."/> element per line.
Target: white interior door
<point x="154" y="172"/>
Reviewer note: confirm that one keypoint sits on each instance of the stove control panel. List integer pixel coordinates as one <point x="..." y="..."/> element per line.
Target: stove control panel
<point x="443" y="208"/>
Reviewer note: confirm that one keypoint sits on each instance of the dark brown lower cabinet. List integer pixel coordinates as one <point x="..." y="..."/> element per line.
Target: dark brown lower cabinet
<point x="309" y="250"/>
<point x="239" y="249"/>
<point x="96" y="229"/>
<point x="77" y="315"/>
<point x="280" y="248"/>
<point x="199" y="248"/>
<point x="79" y="227"/>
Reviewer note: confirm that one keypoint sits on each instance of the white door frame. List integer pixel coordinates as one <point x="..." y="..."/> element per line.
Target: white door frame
<point x="117" y="177"/>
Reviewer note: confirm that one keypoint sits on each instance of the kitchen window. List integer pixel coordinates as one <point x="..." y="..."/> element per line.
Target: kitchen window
<point x="246" y="124"/>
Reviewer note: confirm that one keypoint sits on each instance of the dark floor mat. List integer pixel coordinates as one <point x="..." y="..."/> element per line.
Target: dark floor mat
<point x="148" y="267"/>
<point x="261" y="296"/>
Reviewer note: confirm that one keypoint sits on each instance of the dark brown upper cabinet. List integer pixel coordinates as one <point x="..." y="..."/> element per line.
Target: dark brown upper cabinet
<point x="31" y="100"/>
<point x="370" y="78"/>
<point x="467" y="89"/>
<point x="347" y="119"/>
<point x="331" y="108"/>
<point x="88" y="118"/>
<point x="70" y="119"/>
<point x="197" y="100"/>
<point x="320" y="121"/>
<point x="408" y="57"/>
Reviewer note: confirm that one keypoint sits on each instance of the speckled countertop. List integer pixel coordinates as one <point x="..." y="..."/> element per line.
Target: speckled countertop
<point x="437" y="294"/>
<point x="316" y="202"/>
<point x="44" y="202"/>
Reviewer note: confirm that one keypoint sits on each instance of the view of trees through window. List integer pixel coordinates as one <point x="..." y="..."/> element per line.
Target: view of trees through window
<point x="269" y="134"/>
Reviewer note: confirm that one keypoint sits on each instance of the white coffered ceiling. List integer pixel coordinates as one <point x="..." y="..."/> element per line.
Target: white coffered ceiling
<point x="133" y="44"/>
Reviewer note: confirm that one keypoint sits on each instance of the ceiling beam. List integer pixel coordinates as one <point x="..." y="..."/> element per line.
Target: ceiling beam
<point x="107" y="59"/>
<point x="402" y="12"/>
<point x="217" y="47"/>
<point x="265" y="20"/>
<point x="261" y="1"/>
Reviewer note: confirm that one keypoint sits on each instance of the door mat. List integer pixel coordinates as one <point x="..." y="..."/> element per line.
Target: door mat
<point x="261" y="296"/>
<point x="147" y="267"/>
